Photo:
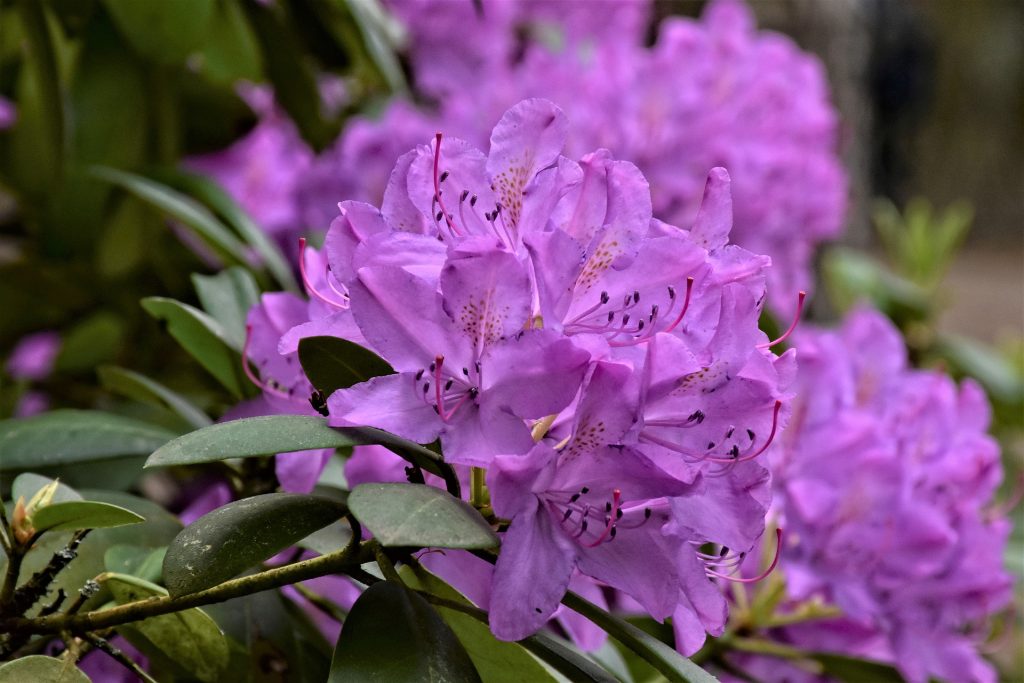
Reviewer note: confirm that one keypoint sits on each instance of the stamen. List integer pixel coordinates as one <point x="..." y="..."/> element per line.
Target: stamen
<point x="764" y="574"/>
<point x="437" y="186"/>
<point x="610" y="524"/>
<point x="796" y="320"/>
<point x="686" y="305"/>
<point x="313" y="291"/>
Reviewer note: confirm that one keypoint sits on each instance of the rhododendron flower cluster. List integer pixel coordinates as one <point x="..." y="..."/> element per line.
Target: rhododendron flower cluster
<point x="603" y="368"/>
<point x="884" y="479"/>
<point x="708" y="93"/>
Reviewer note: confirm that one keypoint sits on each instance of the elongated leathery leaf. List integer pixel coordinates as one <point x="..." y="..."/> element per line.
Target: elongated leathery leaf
<point x="223" y="543"/>
<point x="63" y="437"/>
<point x="227" y="297"/>
<point x="190" y="638"/>
<point x="41" y="669"/>
<point x="203" y="337"/>
<point x="272" y="434"/>
<point x="418" y="515"/>
<point x="141" y="388"/>
<point x="82" y="514"/>
<point x="392" y="634"/>
<point x="333" y="363"/>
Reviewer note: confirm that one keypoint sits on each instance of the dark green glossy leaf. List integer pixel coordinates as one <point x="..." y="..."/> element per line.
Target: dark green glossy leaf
<point x="141" y="388"/>
<point x="191" y="213"/>
<point x="666" y="660"/>
<point x="223" y="543"/>
<point x="204" y="338"/>
<point x="496" y="661"/>
<point x="63" y="437"/>
<point x="852" y="670"/>
<point x="418" y="515"/>
<point x="189" y="638"/>
<point x="40" y="669"/>
<point x="227" y="297"/>
<point x="82" y="514"/>
<point x="211" y="194"/>
<point x="333" y="363"/>
<point x="165" y="32"/>
<point x="392" y="634"/>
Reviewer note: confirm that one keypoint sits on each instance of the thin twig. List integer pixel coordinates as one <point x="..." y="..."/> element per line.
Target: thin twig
<point x="318" y="601"/>
<point x="118" y="656"/>
<point x="35" y="588"/>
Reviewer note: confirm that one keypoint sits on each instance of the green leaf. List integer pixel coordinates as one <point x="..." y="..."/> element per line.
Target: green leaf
<point x="204" y="338"/>
<point x="290" y="71"/>
<point x="418" y="515"/>
<point x="191" y="213"/>
<point x="141" y="388"/>
<point x="166" y="32"/>
<point x="214" y="196"/>
<point x="333" y="363"/>
<point x="63" y="437"/>
<point x="234" y="54"/>
<point x="380" y="37"/>
<point x="227" y="297"/>
<point x="189" y="638"/>
<point x="392" y="634"/>
<point x="27" y="484"/>
<point x="223" y="543"/>
<point x="97" y="339"/>
<point x="272" y="434"/>
<point x="144" y="563"/>
<point x="853" y="670"/>
<point x="495" y="661"/>
<point x="666" y="660"/>
<point x="82" y="514"/>
<point x="40" y="669"/>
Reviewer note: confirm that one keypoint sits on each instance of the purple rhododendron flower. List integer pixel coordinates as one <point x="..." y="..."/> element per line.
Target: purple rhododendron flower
<point x="885" y="479"/>
<point x="604" y="366"/>
<point x="8" y="113"/>
<point x="33" y="357"/>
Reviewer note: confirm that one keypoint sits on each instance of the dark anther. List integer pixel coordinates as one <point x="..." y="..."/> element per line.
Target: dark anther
<point x="750" y="433"/>
<point x="611" y="316"/>
<point x="538" y="610"/>
<point x="319" y="402"/>
<point x="465" y="371"/>
<point x="611" y="534"/>
<point x="608" y="506"/>
<point x="618" y="514"/>
<point x="574" y="498"/>
<point x="473" y="391"/>
<point x="432" y="366"/>
<point x="647" y="513"/>
<point x="636" y="297"/>
<point x="419" y="375"/>
<point x="625" y="318"/>
<point x="472" y="200"/>
<point x="426" y="387"/>
<point x="734" y="451"/>
<point x="697" y="416"/>
<point x="462" y="197"/>
<point x="604" y="297"/>
<point x="440" y="215"/>
<point x="654" y="312"/>
<point x="711" y="444"/>
<point x="671" y="292"/>
<point x="728" y="434"/>
<point x="584" y="490"/>
<point x="444" y="177"/>
<point x="583" y="526"/>
<point x="639" y="325"/>
<point x="448" y="384"/>
<point x="567" y="515"/>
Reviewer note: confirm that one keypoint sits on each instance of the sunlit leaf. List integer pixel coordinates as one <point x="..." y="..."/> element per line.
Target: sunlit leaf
<point x="82" y="514"/>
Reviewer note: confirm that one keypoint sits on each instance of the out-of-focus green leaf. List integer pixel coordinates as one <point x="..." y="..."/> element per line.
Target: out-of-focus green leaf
<point x="41" y="669"/>
<point x="234" y="54"/>
<point x="141" y="388"/>
<point x="974" y="359"/>
<point x="71" y="436"/>
<point x="418" y="515"/>
<point x="95" y="340"/>
<point x="204" y="338"/>
<point x="392" y="634"/>
<point x="191" y="213"/>
<point x="144" y="563"/>
<point x="82" y="514"/>
<point x="381" y="35"/>
<point x="39" y="140"/>
<point x="290" y="71"/>
<point x="189" y="638"/>
<point x="333" y="363"/>
<point x="227" y="297"/>
<point x="166" y="32"/>
<point x="121" y="247"/>
<point x="219" y="201"/>
<point x="852" y="276"/>
<point x="221" y="544"/>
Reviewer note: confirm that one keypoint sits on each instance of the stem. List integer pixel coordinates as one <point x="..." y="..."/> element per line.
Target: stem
<point x="386" y="566"/>
<point x="35" y="588"/>
<point x="119" y="656"/>
<point x="352" y="556"/>
<point x="477" y="488"/>
<point x="14" y="559"/>
<point x="326" y="606"/>
<point x="5" y="530"/>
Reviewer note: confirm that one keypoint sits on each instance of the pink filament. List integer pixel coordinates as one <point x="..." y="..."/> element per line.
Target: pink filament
<point x="313" y="291"/>
<point x="251" y="375"/>
<point x="762" y="575"/>
<point x="796" y="319"/>
<point x="616" y="502"/>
